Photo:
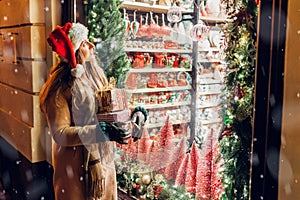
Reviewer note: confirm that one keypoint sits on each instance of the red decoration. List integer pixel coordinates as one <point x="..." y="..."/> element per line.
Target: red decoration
<point x="159" y="60"/>
<point x="154" y="162"/>
<point x="176" y="160"/>
<point x="144" y="145"/>
<point x="137" y="186"/>
<point x="209" y="185"/>
<point x="239" y="92"/>
<point x="132" y="81"/>
<point x="129" y="151"/>
<point x="143" y="28"/>
<point x="139" y="61"/>
<point x="203" y="176"/>
<point x="226" y="132"/>
<point x="191" y="169"/>
<point x="166" y="134"/>
<point x="216" y="183"/>
<point x="181" y="175"/>
<point x="152" y="82"/>
<point x="166" y="145"/>
<point x="157" y="189"/>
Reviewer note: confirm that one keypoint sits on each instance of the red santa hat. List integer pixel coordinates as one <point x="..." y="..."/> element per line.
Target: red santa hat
<point x="66" y="40"/>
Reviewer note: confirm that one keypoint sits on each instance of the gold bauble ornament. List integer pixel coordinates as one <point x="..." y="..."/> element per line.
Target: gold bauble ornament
<point x="146" y="179"/>
<point x="138" y="181"/>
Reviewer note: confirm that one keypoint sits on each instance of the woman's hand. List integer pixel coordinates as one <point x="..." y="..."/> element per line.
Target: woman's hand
<point x="96" y="180"/>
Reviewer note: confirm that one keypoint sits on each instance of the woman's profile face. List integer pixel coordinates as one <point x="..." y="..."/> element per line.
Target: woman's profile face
<point x="86" y="49"/>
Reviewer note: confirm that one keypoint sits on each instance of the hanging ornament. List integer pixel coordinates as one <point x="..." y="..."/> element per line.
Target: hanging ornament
<point x="134" y="26"/>
<point x="202" y="9"/>
<point x="227" y="132"/>
<point x="174" y="14"/>
<point x="165" y="30"/>
<point x="239" y="92"/>
<point x="126" y="23"/>
<point x="199" y="31"/>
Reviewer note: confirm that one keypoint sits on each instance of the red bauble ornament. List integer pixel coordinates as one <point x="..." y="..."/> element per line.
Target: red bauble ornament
<point x="137" y="186"/>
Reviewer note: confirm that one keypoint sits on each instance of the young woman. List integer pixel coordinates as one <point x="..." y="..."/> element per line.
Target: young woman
<point x="82" y="156"/>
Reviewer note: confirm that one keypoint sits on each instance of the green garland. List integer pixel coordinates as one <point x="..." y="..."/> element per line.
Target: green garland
<point x="235" y="142"/>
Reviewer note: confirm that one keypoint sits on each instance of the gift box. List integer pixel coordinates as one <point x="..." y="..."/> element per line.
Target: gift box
<point x="112" y="100"/>
<point x="118" y="116"/>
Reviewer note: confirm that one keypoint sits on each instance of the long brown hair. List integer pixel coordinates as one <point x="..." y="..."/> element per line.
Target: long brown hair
<point x="60" y="76"/>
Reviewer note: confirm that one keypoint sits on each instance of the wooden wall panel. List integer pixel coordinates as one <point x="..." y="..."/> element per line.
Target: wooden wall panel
<point x="30" y="141"/>
<point x="16" y="12"/>
<point x="24" y="42"/>
<point x="21" y="105"/>
<point x="22" y="123"/>
<point x="23" y="71"/>
<point x="26" y="75"/>
<point x="289" y="169"/>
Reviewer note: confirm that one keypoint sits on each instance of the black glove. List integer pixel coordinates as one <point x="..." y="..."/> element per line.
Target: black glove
<point x="115" y="131"/>
<point x="138" y="118"/>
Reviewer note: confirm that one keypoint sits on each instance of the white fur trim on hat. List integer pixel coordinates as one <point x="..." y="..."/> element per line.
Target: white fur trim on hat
<point x="77" y="34"/>
<point x="77" y="71"/>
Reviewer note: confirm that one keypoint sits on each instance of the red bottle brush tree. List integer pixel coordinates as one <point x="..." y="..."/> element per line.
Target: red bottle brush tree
<point x="216" y="181"/>
<point x="130" y="151"/>
<point x="191" y="169"/>
<point x="166" y="144"/>
<point x="181" y="175"/>
<point x="176" y="159"/>
<point x="154" y="162"/>
<point x="144" y="147"/>
<point x="203" y="176"/>
<point x="166" y="134"/>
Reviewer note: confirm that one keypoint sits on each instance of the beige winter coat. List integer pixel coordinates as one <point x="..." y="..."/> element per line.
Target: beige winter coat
<point x="77" y="141"/>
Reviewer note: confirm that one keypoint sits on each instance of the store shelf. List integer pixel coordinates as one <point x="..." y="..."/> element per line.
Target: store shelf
<point x="208" y="49"/>
<point x="146" y="7"/>
<point x="209" y="93"/>
<point x="157" y="50"/>
<point x="204" y="60"/>
<point x="213" y="19"/>
<point x="209" y="81"/>
<point x="210" y="121"/>
<point x="147" y="90"/>
<point x="165" y="105"/>
<point x="163" y="123"/>
<point x="165" y="69"/>
<point x="208" y="105"/>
